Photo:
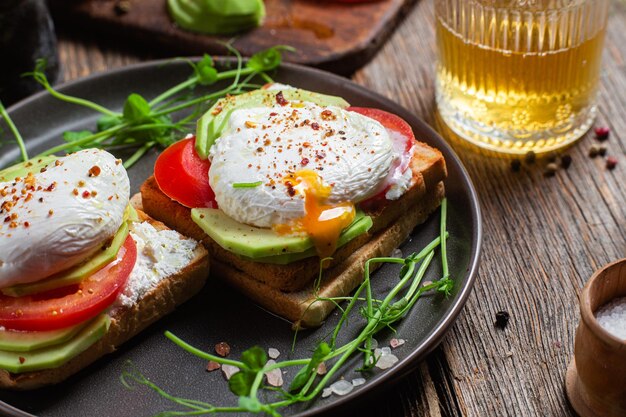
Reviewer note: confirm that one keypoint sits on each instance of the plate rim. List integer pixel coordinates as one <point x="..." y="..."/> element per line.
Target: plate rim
<point x="408" y="363"/>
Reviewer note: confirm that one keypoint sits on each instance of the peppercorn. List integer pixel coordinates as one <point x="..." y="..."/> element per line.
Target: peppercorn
<point x="530" y="157"/>
<point x="516" y="165"/>
<point x="602" y="150"/>
<point x="566" y="161"/>
<point x="593" y="151"/>
<point x="611" y="162"/>
<point x="602" y="133"/>
<point x="502" y="319"/>
<point x="551" y="169"/>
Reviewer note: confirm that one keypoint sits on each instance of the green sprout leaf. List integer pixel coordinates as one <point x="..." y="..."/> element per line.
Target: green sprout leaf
<point x="205" y="71"/>
<point x="255" y="358"/>
<point x="247" y="184"/>
<point x="268" y="59"/>
<point x="136" y="108"/>
<point x="74" y="136"/>
<point x="241" y="382"/>
<point x="250" y="404"/>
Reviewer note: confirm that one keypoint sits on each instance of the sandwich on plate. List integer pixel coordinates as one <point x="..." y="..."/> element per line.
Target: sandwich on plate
<point x="81" y="271"/>
<point x="291" y="191"/>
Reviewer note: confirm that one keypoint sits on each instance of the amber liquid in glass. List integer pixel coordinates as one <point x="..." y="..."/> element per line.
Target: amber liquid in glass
<point x="513" y="78"/>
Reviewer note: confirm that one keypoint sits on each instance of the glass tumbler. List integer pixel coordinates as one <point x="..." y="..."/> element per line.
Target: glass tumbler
<point x="519" y="75"/>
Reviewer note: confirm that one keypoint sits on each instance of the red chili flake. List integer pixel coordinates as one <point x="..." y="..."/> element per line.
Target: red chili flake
<point x="272" y="114"/>
<point x="602" y="133"/>
<point x="222" y="349"/>
<point x="611" y="162"/>
<point x="280" y="99"/>
<point x="328" y="115"/>
<point x="315" y="126"/>
<point x="304" y="161"/>
<point x="57" y="163"/>
<point x="94" y="171"/>
<point x="51" y="187"/>
<point x="320" y="155"/>
<point x="13" y="225"/>
<point x="290" y="190"/>
<point x="22" y="359"/>
<point x="86" y="194"/>
<point x="14" y="216"/>
<point x="75" y="191"/>
<point x="259" y="149"/>
<point x="212" y="366"/>
<point x="217" y="110"/>
<point x="7" y="219"/>
<point x="306" y="145"/>
<point x="26" y="224"/>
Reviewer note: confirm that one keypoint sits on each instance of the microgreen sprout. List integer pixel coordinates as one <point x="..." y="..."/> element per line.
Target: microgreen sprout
<point x="306" y="385"/>
<point x="16" y="133"/>
<point x="142" y="124"/>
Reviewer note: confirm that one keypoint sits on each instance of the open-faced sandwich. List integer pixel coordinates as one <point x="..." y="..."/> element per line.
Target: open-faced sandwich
<point x="280" y="182"/>
<point x="81" y="271"/>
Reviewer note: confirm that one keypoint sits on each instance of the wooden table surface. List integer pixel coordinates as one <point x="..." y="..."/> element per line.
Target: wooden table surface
<point x="543" y="238"/>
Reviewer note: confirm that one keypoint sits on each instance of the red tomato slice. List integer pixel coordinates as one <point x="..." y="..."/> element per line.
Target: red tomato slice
<point x="396" y="124"/>
<point x="183" y="176"/>
<point x="74" y="304"/>
<point x="389" y="121"/>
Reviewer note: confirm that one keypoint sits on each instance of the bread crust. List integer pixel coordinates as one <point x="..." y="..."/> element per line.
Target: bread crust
<point x="301" y="307"/>
<point x="428" y="168"/>
<point x="126" y="322"/>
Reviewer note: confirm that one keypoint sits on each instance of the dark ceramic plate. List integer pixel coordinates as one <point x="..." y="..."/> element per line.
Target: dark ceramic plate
<point x="219" y="313"/>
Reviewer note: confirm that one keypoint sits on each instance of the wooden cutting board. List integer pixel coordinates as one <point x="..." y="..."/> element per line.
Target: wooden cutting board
<point x="333" y="36"/>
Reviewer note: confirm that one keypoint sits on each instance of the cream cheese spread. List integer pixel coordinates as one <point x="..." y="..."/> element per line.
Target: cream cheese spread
<point x="54" y="219"/>
<point x="160" y="254"/>
<point x="351" y="153"/>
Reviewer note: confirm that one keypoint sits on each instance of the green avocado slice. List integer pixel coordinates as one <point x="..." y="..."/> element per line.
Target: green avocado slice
<point x="213" y="122"/>
<point x="265" y="245"/>
<point x="77" y="273"/>
<point x="56" y="355"/>
<point x="23" y="168"/>
<point x="16" y="341"/>
<point x="216" y="16"/>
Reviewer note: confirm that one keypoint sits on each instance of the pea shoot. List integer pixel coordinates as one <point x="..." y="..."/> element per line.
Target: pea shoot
<point x="306" y="385"/>
<point x="143" y="125"/>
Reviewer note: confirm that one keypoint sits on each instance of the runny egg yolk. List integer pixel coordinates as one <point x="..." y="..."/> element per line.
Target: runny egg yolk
<point x="322" y="222"/>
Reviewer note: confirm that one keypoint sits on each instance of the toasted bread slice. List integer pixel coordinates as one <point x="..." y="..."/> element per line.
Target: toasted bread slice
<point x="427" y="165"/>
<point x="126" y="322"/>
<point x="301" y="307"/>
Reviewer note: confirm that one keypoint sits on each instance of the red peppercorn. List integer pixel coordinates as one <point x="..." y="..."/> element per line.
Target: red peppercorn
<point x="602" y="133"/>
<point x="611" y="162"/>
<point x="280" y="99"/>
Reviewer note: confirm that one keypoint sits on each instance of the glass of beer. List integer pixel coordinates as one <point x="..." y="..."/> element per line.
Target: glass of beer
<point x="515" y="76"/>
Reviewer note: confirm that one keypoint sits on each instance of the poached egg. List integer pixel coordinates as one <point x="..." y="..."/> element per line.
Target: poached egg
<point x="53" y="220"/>
<point x="300" y="168"/>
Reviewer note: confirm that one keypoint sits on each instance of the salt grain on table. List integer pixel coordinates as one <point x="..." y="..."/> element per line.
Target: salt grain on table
<point x="358" y="381"/>
<point x="273" y="353"/>
<point x="229" y="370"/>
<point x="612" y="317"/>
<point x="275" y="376"/>
<point x="342" y="387"/>
<point x="396" y="253"/>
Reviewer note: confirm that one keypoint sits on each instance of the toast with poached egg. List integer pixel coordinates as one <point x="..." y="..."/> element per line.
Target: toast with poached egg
<point x="280" y="179"/>
<point x="81" y="271"/>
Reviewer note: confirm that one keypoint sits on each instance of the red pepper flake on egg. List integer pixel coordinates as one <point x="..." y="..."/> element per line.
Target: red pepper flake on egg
<point x="94" y="171"/>
<point x="280" y="99"/>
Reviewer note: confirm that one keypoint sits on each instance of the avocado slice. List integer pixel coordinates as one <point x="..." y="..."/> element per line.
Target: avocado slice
<point x="265" y="245"/>
<point x="359" y="226"/>
<point x="23" y="168"/>
<point x="77" y="273"/>
<point x="216" y="16"/>
<point x="56" y="355"/>
<point x="17" y="341"/>
<point x="213" y="122"/>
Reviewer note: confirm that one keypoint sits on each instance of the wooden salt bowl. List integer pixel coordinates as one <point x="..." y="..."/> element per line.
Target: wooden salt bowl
<point x="596" y="376"/>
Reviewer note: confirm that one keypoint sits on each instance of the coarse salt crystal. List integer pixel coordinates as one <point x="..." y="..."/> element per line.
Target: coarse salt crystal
<point x="273" y="353"/>
<point x="342" y="387"/>
<point x="229" y="370"/>
<point x="327" y="392"/>
<point x="358" y="381"/>
<point x="612" y="317"/>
